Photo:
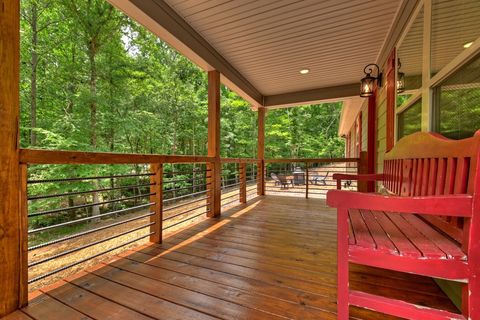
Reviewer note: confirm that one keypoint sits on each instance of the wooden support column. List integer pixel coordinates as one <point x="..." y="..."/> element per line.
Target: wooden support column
<point x="12" y="283"/>
<point x="372" y="137"/>
<point x="362" y="168"/>
<point x="243" y="182"/>
<point x="214" y="180"/>
<point x="261" y="152"/>
<point x="157" y="197"/>
<point x="306" y="180"/>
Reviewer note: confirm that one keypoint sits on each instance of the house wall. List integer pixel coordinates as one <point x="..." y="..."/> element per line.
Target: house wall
<point x="364" y="111"/>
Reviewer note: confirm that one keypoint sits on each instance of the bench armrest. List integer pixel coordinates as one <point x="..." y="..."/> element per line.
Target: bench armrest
<point x="358" y="177"/>
<point x="449" y="205"/>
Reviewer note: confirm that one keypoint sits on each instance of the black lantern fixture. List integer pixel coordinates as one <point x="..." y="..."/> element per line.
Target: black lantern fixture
<point x="367" y="83"/>
<point x="400" y="79"/>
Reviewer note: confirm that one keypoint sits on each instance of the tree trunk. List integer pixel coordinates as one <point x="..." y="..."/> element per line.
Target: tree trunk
<point x="92" y="51"/>
<point x="33" y="74"/>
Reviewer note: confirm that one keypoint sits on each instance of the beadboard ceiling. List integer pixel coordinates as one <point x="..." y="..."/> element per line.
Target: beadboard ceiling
<point x="270" y="41"/>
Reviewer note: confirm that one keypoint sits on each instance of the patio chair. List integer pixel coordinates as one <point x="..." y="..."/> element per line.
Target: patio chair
<point x="284" y="181"/>
<point x="316" y="179"/>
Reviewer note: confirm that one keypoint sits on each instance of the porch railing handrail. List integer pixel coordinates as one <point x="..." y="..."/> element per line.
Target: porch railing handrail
<point x="312" y="160"/>
<point x="39" y="156"/>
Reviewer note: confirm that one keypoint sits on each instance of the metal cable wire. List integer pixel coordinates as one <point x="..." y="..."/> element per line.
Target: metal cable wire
<point x="185" y="196"/>
<point x="187" y="211"/>
<point x="90" y="178"/>
<point x="189" y="187"/>
<point x="76" y="235"/>
<point x="90" y="218"/>
<point x="82" y="206"/>
<point x="185" y="204"/>
<point x="88" y="245"/>
<point x="68" y="266"/>
<point x="88" y="191"/>
<point x="183" y="221"/>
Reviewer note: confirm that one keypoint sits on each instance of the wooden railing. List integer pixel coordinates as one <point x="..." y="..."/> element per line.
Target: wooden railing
<point x="74" y="219"/>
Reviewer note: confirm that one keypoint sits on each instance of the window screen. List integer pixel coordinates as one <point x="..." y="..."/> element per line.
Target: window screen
<point x="410" y="120"/>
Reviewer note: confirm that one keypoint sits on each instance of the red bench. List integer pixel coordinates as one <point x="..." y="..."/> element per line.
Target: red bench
<point x="428" y="224"/>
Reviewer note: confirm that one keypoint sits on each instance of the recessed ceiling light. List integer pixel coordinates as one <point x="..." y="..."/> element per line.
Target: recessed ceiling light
<point x="467" y="45"/>
<point x="304" y="71"/>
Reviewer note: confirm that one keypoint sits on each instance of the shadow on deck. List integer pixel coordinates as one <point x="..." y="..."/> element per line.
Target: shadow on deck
<point x="273" y="258"/>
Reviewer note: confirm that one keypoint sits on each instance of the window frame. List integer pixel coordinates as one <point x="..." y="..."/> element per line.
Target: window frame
<point x="429" y="83"/>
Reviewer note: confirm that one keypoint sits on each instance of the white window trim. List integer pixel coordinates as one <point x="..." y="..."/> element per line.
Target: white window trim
<point x="429" y="82"/>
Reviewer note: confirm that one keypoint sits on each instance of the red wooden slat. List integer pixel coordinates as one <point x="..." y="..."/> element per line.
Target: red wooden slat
<point x="425" y="245"/>
<point x="400" y="308"/>
<point x="363" y="237"/>
<point x="404" y="246"/>
<point x="432" y="176"/>
<point x="406" y="177"/>
<point x="450" y="175"/>
<point x="441" y="176"/>
<point x="425" y="180"/>
<point x="461" y="175"/>
<point x="451" y="249"/>
<point x="382" y="241"/>
<point x="414" y="176"/>
<point x="351" y="234"/>
<point x="399" y="178"/>
<point x="418" y="178"/>
<point x="388" y="179"/>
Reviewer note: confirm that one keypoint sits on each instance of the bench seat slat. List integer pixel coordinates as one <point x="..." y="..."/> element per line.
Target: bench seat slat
<point x="401" y="235"/>
<point x="404" y="246"/>
<point x="452" y="250"/>
<point x="363" y="238"/>
<point x="382" y="241"/>
<point x="425" y="245"/>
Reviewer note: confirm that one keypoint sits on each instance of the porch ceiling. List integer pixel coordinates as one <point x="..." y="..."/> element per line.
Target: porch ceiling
<point x="260" y="46"/>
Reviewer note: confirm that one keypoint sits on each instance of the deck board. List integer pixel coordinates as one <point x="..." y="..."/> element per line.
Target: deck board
<point x="273" y="258"/>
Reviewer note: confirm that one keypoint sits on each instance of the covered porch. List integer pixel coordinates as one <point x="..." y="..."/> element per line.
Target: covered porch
<point x="211" y="237"/>
<point x="265" y="259"/>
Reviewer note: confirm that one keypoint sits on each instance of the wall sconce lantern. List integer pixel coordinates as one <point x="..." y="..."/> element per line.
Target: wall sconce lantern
<point x="368" y="82"/>
<point x="400" y="79"/>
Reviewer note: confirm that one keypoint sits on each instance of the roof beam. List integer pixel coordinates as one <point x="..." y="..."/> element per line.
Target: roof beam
<point x="159" y="18"/>
<point x="312" y="96"/>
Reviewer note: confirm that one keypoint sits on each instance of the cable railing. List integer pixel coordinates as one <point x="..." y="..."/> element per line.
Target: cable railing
<point x="307" y="177"/>
<point x="238" y="179"/>
<point x="82" y="208"/>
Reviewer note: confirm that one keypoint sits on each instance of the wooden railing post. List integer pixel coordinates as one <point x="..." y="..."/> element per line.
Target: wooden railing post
<point x="23" y="296"/>
<point x="306" y="180"/>
<point x="156" y="179"/>
<point x="261" y="152"/>
<point x="215" y="191"/>
<point x="10" y="220"/>
<point x="243" y="182"/>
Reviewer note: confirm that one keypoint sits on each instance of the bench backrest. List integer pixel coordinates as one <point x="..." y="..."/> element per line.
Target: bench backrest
<point x="425" y="164"/>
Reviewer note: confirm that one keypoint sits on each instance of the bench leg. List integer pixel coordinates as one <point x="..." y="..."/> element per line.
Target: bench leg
<point x="473" y="298"/>
<point x="342" y="262"/>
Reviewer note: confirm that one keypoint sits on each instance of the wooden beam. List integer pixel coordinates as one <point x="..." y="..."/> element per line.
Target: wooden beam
<point x="10" y="220"/>
<point x="32" y="156"/>
<point x="261" y="152"/>
<point x="162" y="20"/>
<point x="312" y="96"/>
<point x="214" y="144"/>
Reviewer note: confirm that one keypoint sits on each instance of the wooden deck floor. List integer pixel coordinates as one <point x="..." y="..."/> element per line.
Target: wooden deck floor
<point x="273" y="258"/>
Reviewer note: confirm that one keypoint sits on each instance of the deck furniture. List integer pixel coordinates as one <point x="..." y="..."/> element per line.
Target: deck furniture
<point x="281" y="180"/>
<point x="318" y="179"/>
<point x="298" y="176"/>
<point x="425" y="224"/>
